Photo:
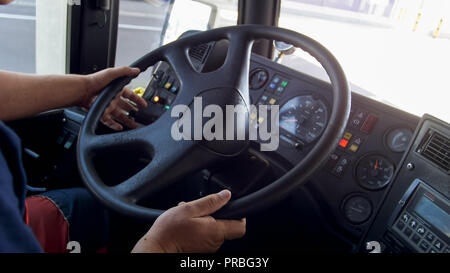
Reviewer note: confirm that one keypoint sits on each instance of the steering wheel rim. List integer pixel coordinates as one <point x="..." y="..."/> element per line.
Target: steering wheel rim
<point x="176" y="53"/>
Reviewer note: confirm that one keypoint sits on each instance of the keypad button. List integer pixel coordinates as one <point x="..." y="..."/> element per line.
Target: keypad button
<point x="400" y="225"/>
<point x="415" y="238"/>
<point x="424" y="245"/>
<point x="432" y="250"/>
<point x="429" y="237"/>
<point x="413" y="223"/>
<point x="405" y="217"/>
<point x="407" y="232"/>
<point x="438" y="245"/>
<point x="421" y="230"/>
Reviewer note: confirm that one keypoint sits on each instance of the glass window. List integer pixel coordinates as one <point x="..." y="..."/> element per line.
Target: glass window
<point x="17" y="35"/>
<point x="394" y="50"/>
<point x="145" y="25"/>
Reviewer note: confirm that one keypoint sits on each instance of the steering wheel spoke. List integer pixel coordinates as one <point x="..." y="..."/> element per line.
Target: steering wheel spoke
<point x="172" y="160"/>
<point x="237" y="62"/>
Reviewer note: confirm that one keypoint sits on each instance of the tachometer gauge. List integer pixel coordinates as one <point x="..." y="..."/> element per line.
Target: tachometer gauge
<point x="374" y="172"/>
<point x="398" y="139"/>
<point x="304" y="117"/>
<point x="258" y="78"/>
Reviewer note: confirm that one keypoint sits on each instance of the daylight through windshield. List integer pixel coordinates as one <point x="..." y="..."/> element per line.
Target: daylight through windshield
<point x="397" y="51"/>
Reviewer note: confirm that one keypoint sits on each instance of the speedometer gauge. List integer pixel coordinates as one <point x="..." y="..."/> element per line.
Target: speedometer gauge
<point x="304" y="117"/>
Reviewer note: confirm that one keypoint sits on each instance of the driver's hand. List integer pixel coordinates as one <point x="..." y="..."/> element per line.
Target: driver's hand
<point x="94" y="83"/>
<point x="117" y="113"/>
<point x="188" y="228"/>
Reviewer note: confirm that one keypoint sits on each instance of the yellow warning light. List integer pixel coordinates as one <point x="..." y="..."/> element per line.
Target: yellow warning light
<point x="156" y="99"/>
<point x="139" y="91"/>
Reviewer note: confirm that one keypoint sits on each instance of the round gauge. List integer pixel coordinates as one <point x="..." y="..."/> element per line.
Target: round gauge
<point x="357" y="209"/>
<point x="374" y="172"/>
<point x="398" y="139"/>
<point x="258" y="78"/>
<point x="304" y="117"/>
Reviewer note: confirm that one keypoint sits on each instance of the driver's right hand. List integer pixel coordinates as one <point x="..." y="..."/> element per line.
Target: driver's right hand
<point x="189" y="228"/>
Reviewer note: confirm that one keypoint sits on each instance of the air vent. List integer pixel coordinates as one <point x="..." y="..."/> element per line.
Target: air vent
<point x="199" y="52"/>
<point x="436" y="148"/>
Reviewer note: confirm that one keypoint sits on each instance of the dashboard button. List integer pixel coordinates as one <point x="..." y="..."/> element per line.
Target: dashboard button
<point x="405" y="217"/>
<point x="438" y="245"/>
<point x="347" y="135"/>
<point x="421" y="230"/>
<point x="415" y="238"/>
<point x="341" y="166"/>
<point x="343" y="143"/>
<point x="413" y="224"/>
<point x="353" y="148"/>
<point x="429" y="237"/>
<point x="358" y="140"/>
<point x="369" y="123"/>
<point x="174" y="88"/>
<point x="424" y="245"/>
<point x="400" y="225"/>
<point x="358" y="118"/>
<point x="447" y="250"/>
<point x="407" y="232"/>
<point x="432" y="250"/>
<point x="332" y="161"/>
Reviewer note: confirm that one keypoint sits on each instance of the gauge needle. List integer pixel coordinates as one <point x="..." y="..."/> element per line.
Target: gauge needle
<point x="376" y="165"/>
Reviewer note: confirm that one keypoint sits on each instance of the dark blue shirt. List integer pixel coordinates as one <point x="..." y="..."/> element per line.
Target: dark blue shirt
<point x="15" y="235"/>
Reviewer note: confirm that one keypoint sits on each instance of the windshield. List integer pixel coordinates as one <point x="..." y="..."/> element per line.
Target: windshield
<point x="396" y="51"/>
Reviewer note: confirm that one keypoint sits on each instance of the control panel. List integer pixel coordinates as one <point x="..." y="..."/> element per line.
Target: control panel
<point x="356" y="175"/>
<point x="414" y="216"/>
<point x="425" y="222"/>
<point x="160" y="93"/>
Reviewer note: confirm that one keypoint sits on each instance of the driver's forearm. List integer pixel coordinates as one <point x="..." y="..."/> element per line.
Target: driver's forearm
<point x="23" y="95"/>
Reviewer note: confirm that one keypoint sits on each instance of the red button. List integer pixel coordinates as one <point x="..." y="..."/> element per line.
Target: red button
<point x="369" y="123"/>
<point x="343" y="143"/>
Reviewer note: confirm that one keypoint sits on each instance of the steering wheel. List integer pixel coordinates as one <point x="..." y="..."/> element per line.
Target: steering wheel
<point x="228" y="85"/>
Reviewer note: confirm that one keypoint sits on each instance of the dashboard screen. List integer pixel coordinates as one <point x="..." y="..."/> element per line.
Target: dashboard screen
<point x="433" y="214"/>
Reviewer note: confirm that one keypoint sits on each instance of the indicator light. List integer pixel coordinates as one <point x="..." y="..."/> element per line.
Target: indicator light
<point x="156" y="99"/>
<point x="284" y="83"/>
<point x="343" y="143"/>
<point x="139" y="91"/>
<point x="167" y="107"/>
<point x="348" y="135"/>
<point x="354" y="148"/>
<point x="168" y="85"/>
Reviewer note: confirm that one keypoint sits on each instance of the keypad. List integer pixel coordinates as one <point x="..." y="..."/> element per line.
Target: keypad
<point x="418" y="235"/>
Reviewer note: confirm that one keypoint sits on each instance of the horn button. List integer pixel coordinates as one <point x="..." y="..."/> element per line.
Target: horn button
<point x="219" y="121"/>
